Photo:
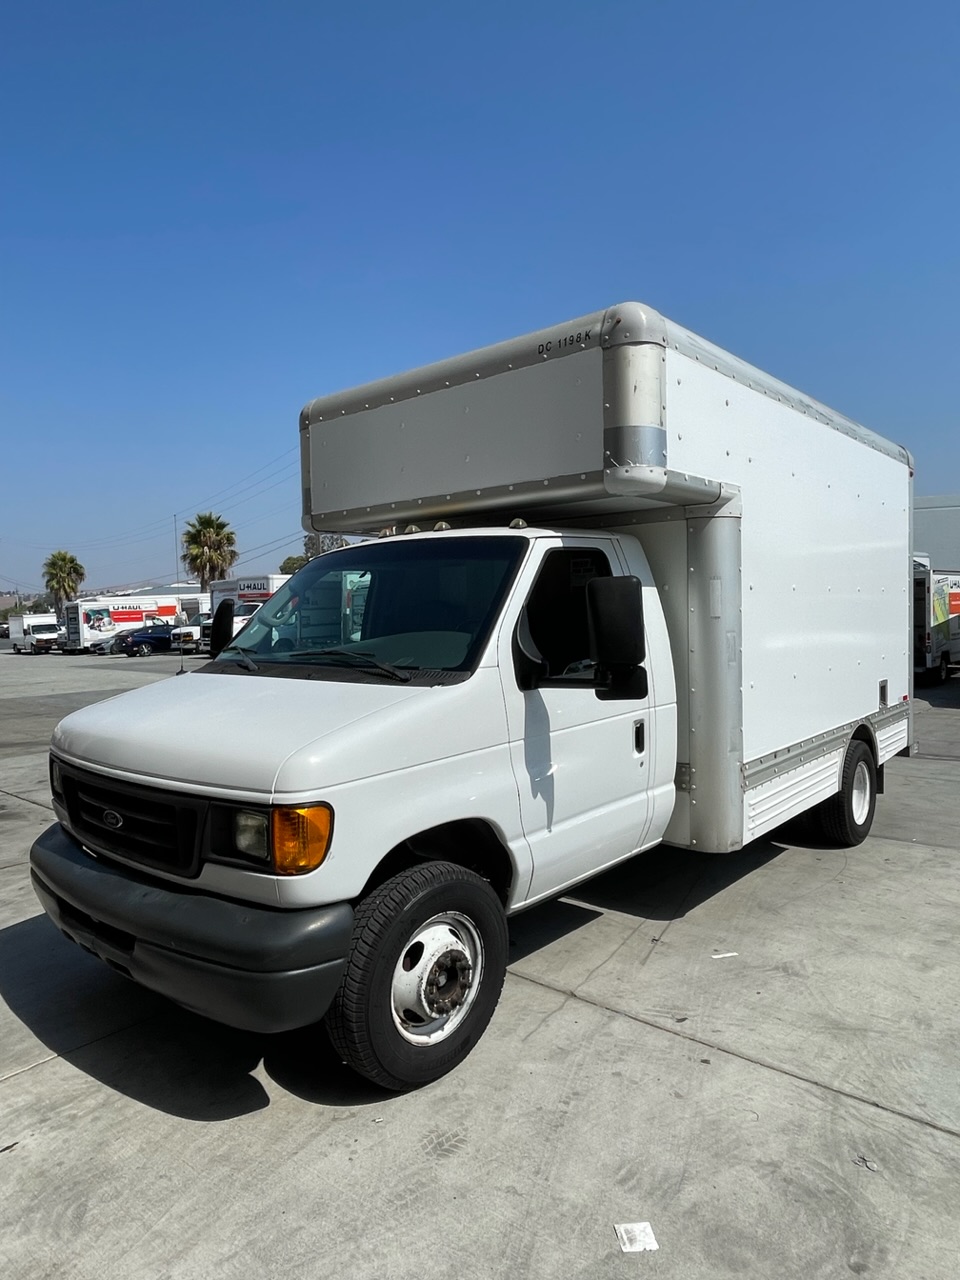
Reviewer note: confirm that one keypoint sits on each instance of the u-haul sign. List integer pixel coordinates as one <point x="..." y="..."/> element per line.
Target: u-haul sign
<point x="253" y="589"/>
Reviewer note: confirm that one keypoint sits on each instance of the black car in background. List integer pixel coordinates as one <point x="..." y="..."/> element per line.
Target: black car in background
<point x="144" y="641"/>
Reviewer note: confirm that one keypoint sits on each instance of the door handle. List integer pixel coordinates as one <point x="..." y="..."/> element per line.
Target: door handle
<point x="638" y="737"/>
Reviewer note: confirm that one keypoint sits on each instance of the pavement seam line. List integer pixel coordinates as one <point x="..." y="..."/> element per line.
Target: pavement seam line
<point x="743" y="1057"/>
<point x="64" y="1054"/>
<point x="638" y="923"/>
<point x="13" y="796"/>
<point x="23" y="1070"/>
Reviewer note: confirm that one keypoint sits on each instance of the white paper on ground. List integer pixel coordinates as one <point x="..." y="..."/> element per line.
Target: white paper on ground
<point x="635" y="1237"/>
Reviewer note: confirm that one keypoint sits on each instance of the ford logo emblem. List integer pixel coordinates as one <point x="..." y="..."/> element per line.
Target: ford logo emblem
<point x="112" y="819"/>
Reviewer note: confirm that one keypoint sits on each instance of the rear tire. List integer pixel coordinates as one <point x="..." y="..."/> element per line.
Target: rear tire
<point x="424" y="973"/>
<point x="943" y="670"/>
<point x="846" y="818"/>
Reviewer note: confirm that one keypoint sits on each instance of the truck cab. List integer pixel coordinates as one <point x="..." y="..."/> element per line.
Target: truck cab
<point x="461" y="729"/>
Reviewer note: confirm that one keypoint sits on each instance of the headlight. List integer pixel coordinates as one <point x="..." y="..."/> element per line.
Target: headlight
<point x="285" y="840"/>
<point x="251" y="832"/>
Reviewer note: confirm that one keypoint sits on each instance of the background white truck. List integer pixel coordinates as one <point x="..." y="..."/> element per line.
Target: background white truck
<point x="936" y="529"/>
<point x="247" y="594"/>
<point x="34" y="632"/>
<point x="936" y="620"/>
<point x="95" y="618"/>
<point x="641" y="592"/>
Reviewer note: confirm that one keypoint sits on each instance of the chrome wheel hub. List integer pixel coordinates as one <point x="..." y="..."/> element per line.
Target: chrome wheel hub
<point x="860" y="794"/>
<point x="436" y="979"/>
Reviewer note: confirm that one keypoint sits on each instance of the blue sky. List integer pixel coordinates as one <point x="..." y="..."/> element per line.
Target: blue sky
<point x="211" y="212"/>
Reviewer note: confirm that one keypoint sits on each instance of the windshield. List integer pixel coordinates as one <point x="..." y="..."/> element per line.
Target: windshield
<point x="385" y="609"/>
<point x="44" y="628"/>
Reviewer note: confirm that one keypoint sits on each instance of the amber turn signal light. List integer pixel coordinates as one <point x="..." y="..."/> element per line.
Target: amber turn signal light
<point x="301" y="838"/>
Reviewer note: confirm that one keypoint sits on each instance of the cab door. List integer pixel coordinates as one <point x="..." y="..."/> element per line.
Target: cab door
<point x="582" y="765"/>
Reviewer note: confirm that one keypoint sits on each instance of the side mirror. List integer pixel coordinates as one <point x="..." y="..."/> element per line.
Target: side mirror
<point x="221" y="630"/>
<point x="528" y="661"/>
<point x="617" y="644"/>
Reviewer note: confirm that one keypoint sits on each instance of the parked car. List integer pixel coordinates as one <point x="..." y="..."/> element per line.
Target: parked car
<point x="144" y="641"/>
<point x="109" y="644"/>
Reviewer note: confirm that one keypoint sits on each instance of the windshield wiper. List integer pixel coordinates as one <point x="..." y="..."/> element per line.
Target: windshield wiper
<point x="365" y="657"/>
<point x="245" y="659"/>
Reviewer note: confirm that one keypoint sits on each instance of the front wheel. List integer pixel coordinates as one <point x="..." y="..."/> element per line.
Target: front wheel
<point x="144" y="650"/>
<point x="943" y="669"/>
<point x="846" y="818"/>
<point x="424" y="973"/>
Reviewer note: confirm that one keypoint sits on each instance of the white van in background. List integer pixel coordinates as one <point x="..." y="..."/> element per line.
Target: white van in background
<point x="34" y="632"/>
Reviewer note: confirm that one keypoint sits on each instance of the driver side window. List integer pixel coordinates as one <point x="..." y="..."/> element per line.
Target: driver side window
<point x="557" y="611"/>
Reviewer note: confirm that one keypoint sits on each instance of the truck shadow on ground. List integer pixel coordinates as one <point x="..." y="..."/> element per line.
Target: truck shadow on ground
<point x="660" y="885"/>
<point x="939" y="695"/>
<point x="141" y="1045"/>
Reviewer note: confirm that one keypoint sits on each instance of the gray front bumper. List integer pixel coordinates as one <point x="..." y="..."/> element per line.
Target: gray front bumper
<point x="249" y="966"/>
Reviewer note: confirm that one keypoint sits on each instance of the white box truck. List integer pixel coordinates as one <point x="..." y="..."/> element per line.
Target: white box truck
<point x="936" y="620"/>
<point x="92" y="620"/>
<point x="638" y="591"/>
<point x="34" y="632"/>
<point x="247" y="594"/>
<point x="936" y="529"/>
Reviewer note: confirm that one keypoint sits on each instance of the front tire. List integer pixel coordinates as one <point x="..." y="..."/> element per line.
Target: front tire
<point x="424" y="973"/>
<point x="846" y="818"/>
<point x="144" y="650"/>
<point x="943" y="669"/>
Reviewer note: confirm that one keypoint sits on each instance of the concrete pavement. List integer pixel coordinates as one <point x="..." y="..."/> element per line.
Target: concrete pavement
<point x="791" y="1110"/>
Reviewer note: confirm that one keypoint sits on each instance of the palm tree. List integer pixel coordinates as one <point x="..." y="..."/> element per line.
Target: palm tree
<point x="209" y="547"/>
<point x="62" y="573"/>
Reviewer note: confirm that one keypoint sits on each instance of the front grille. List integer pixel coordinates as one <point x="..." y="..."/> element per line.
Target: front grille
<point x="141" y="824"/>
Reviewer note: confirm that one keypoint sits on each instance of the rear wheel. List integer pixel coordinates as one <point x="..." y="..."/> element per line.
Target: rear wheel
<point x="424" y="973"/>
<point x="846" y="818"/>
<point x="943" y="669"/>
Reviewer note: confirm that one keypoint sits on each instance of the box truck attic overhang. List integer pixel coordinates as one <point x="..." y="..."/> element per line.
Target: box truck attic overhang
<point x="518" y="427"/>
<point x="480" y="737"/>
